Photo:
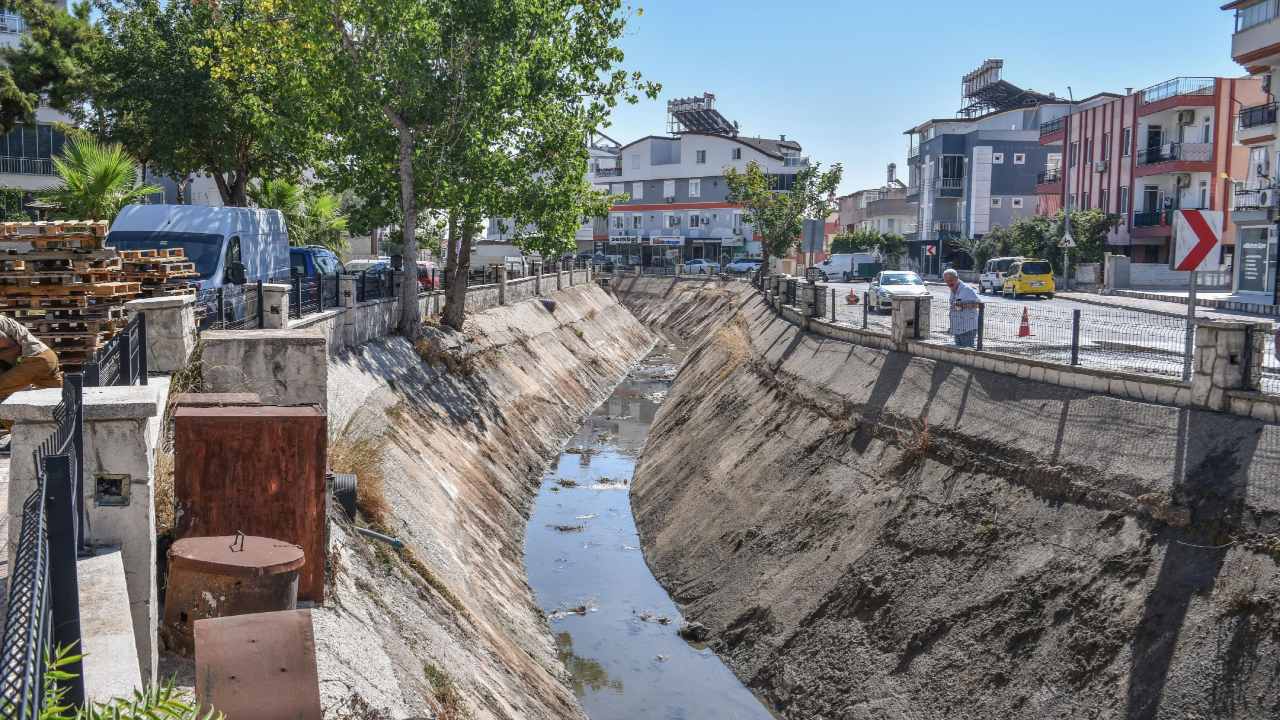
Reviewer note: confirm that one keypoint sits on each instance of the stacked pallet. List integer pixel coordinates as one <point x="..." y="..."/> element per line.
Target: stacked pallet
<point x="160" y="272"/>
<point x="58" y="280"/>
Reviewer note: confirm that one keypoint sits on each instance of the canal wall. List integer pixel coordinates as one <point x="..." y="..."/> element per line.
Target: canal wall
<point x="869" y="534"/>
<point x="459" y="430"/>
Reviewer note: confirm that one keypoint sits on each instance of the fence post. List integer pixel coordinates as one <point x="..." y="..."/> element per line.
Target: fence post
<point x="73" y="396"/>
<point x="982" y="322"/>
<point x="222" y="305"/>
<point x="915" y="329"/>
<point x="124" y="351"/>
<point x="64" y="585"/>
<point x="142" y="349"/>
<point x="833" y="304"/>
<point x="295" y="287"/>
<point x="261" y="306"/>
<point x="866" y="307"/>
<point x="1075" y="336"/>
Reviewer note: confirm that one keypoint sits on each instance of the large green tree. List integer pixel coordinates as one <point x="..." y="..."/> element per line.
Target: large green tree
<point x="55" y="59"/>
<point x="778" y="216"/>
<point x="860" y="240"/>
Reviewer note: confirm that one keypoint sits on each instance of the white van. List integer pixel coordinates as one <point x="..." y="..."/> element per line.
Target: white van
<point x="229" y="245"/>
<point x="992" y="277"/>
<point x="843" y="267"/>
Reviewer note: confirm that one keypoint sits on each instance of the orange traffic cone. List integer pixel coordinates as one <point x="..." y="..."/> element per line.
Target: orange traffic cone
<point x="851" y="298"/>
<point x="1024" y="330"/>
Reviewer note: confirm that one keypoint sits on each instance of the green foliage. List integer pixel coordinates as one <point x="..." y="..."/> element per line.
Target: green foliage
<point x="860" y="240"/>
<point x="53" y="59"/>
<point x="98" y="179"/>
<point x="158" y="703"/>
<point x="979" y="250"/>
<point x="892" y="246"/>
<point x="314" y="216"/>
<point x="1039" y="236"/>
<point x="778" y="217"/>
<point x="279" y="194"/>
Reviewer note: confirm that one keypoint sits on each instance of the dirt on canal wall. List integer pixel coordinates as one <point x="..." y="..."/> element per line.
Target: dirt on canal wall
<point x="450" y="441"/>
<point x="871" y="535"/>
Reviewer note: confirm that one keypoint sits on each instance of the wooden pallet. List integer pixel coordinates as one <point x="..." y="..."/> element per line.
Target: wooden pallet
<point x="160" y="254"/>
<point x="83" y="326"/>
<point x="33" y="302"/>
<point x="96" y="228"/>
<point x="116" y="289"/>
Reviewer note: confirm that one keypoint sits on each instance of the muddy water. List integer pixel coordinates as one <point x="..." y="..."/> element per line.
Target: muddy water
<point x="614" y="625"/>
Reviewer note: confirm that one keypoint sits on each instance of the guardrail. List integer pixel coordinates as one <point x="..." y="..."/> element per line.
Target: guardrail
<point x="1256" y="116"/>
<point x="308" y="296"/>
<point x="122" y="360"/>
<point x="1186" y="152"/>
<point x="1178" y="86"/>
<point x="1049" y="176"/>
<point x="1053" y="126"/>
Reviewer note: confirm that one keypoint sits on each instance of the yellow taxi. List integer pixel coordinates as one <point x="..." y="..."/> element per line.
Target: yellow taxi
<point x="1029" y="276"/>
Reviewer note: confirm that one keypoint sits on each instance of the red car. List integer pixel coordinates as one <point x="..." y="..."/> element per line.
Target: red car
<point x="427" y="276"/>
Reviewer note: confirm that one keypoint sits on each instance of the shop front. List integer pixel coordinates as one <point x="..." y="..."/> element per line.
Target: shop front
<point x="1257" y="269"/>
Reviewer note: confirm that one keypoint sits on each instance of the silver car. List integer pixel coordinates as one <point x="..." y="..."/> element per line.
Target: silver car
<point x="894" y="283"/>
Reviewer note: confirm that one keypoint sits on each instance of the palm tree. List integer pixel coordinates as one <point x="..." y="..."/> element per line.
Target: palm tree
<point x="978" y="249"/>
<point x="98" y="179"/>
<point x="279" y="194"/>
<point x="322" y="223"/>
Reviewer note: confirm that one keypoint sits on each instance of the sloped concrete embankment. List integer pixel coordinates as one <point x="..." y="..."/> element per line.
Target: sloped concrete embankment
<point x="870" y="535"/>
<point x="448" y="628"/>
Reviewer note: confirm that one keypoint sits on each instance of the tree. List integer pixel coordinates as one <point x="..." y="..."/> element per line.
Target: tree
<point x="778" y="216"/>
<point x="1089" y="229"/>
<point x="322" y="222"/>
<point x="98" y="179"/>
<point x="478" y="108"/>
<point x="53" y="59"/>
<point x="977" y="249"/>
<point x="860" y="240"/>
<point x="279" y="194"/>
<point x="892" y="247"/>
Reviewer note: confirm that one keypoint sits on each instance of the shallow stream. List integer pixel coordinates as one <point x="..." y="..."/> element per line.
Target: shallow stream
<point x="614" y="625"/>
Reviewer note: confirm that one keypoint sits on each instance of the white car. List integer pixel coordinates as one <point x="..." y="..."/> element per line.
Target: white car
<point x="894" y="283"/>
<point x="742" y="266"/>
<point x="991" y="279"/>
<point x="700" y="266"/>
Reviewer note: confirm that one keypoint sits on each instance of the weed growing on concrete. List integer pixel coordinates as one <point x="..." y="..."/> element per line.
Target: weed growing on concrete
<point x="578" y="331"/>
<point x="453" y="363"/>
<point x="363" y="458"/>
<point x="435" y="583"/>
<point x="445" y="693"/>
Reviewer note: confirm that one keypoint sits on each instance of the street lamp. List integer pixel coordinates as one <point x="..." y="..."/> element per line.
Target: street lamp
<point x="1067" y="241"/>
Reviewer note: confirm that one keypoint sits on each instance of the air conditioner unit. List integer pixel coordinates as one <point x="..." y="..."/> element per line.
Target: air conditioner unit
<point x="1100" y="166"/>
<point x="1182" y="180"/>
<point x="670" y="198"/>
<point x="1186" y="117"/>
<point x="1265" y="198"/>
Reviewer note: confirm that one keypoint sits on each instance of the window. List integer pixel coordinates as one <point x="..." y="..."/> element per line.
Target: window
<point x="1015" y="203"/>
<point x="637" y="191"/>
<point x="737" y="153"/>
<point x="1123" y="208"/>
<point x="694" y="220"/>
<point x="617" y="222"/>
<point x="1106" y="146"/>
<point x="1084" y="201"/>
<point x="637" y="221"/>
<point x="701" y="157"/>
<point x="1072" y="153"/>
<point x="995" y="202"/>
<point x="233" y="255"/>
<point x="1019" y="158"/>
<point x="669" y="188"/>
<point x="1204" y="193"/>
<point x="1126" y="139"/>
<point x="737" y="221"/>
<point x="673" y="221"/>
<point x="1208" y="131"/>
<point x="1104" y="199"/>
<point x="695" y="188"/>
<point x="1088" y="151"/>
<point x="997" y="158"/>
<point x="1255" y="14"/>
<point x="617" y="188"/>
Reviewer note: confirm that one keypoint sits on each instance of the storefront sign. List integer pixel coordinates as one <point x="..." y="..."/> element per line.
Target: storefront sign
<point x="731" y="241"/>
<point x="622" y="240"/>
<point x="668" y="240"/>
<point x="1253" y="260"/>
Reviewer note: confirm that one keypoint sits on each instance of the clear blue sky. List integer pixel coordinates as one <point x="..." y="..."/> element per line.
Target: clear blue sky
<point x="846" y="78"/>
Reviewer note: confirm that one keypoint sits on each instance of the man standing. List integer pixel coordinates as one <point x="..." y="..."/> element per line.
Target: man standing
<point x="964" y="309"/>
<point x="25" y="362"/>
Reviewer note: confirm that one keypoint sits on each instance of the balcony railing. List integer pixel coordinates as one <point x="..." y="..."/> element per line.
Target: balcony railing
<point x="25" y="166"/>
<point x="954" y="227"/>
<point x="1178" y="86"/>
<point x="950" y="187"/>
<point x="1152" y="218"/>
<point x="1256" y="199"/>
<point x="913" y="152"/>
<point x="608" y="172"/>
<point x="1256" y="14"/>
<point x="12" y="23"/>
<point x="1052" y="126"/>
<point x="1258" y="116"/>
<point x="794" y="161"/>
<point x="1049" y="176"/>
<point x="1186" y="152"/>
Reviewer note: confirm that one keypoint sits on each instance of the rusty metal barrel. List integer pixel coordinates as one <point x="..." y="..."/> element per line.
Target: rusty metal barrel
<point x="225" y="575"/>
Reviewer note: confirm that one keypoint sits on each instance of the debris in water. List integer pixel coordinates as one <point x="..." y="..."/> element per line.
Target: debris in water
<point x="555" y="489"/>
<point x="585" y="517"/>
<point x="566" y="482"/>
<point x="575" y="450"/>
<point x="694" y="632"/>
<point x="650" y="617"/>
<point x="566" y="612"/>
<point x="661" y="658"/>
<point x="567" y="528"/>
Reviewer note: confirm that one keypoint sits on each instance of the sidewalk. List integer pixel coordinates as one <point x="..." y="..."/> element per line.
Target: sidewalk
<point x="1171" y="307"/>
<point x="1222" y="301"/>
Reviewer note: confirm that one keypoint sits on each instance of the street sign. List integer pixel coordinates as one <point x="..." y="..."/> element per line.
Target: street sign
<point x="931" y="249"/>
<point x="1067" y="242"/>
<point x="1197" y="238"/>
<point x="813" y="235"/>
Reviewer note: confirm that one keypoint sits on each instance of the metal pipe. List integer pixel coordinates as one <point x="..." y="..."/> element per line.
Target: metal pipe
<point x="372" y="535"/>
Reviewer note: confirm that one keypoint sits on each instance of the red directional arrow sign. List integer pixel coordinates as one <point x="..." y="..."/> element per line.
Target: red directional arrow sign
<point x="1197" y="237"/>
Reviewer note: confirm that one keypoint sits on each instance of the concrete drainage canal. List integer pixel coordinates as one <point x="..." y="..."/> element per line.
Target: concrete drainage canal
<point x="616" y="629"/>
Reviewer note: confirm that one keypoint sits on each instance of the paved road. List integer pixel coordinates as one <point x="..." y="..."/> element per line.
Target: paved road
<point x="1110" y="337"/>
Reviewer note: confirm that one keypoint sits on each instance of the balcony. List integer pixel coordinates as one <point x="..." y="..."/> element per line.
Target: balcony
<point x="913" y="152"/>
<point x="950" y="187"/>
<point x="25" y="166"/>
<point x="608" y="172"/>
<point x="1256" y="124"/>
<point x="1053" y="175"/>
<point x="1256" y="199"/>
<point x="794" y="161"/>
<point x="1152" y="218"/>
<point x="948" y="228"/>
<point x="1178" y="87"/>
<point x="1054" y="131"/>
<point x="12" y="23"/>
<point x="1257" y="33"/>
<point x="1176" y="157"/>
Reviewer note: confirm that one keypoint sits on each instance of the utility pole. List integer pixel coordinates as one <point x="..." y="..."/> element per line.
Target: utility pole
<point x="1067" y="241"/>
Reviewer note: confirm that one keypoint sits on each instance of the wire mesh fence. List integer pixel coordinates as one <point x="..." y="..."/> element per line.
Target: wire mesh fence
<point x="1271" y="365"/>
<point x="231" y="307"/>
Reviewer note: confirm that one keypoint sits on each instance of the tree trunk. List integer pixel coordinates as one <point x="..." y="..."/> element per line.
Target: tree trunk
<point x="457" y="266"/>
<point x="234" y="193"/>
<point x="410" y="319"/>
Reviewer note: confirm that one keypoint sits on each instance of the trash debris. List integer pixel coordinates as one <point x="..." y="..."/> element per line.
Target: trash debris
<point x="588" y="516"/>
<point x="567" y="528"/>
<point x="566" y="482"/>
<point x="694" y="632"/>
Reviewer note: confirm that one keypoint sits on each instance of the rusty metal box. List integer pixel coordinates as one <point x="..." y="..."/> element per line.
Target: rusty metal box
<point x="256" y="470"/>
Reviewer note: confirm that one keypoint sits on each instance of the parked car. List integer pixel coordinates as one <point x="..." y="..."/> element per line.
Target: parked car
<point x="312" y="261"/>
<point x="741" y="266"/>
<point x="604" y="263"/>
<point x="991" y="279"/>
<point x="887" y="285"/>
<point x="699" y="266"/>
<point x="846" y="267"/>
<point x="1029" y="276"/>
<point x="230" y="246"/>
<point x="426" y="276"/>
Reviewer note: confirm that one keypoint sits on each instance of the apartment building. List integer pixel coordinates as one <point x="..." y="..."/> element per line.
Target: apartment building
<point x="27" y="151"/>
<point x="1255" y="45"/>
<point x="677" y="204"/>
<point x="1142" y="156"/>
<point x="884" y="209"/>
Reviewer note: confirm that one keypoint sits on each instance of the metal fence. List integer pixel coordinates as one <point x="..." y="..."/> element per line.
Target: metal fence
<point x="1271" y="365"/>
<point x="232" y="307"/>
<point x="1099" y="338"/>
<point x="43" y="608"/>
<point x="308" y="296"/>
<point x="123" y="359"/>
<point x="374" y="286"/>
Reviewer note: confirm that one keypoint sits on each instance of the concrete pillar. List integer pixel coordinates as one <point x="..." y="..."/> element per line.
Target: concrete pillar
<point x="121" y="429"/>
<point x="171" y="330"/>
<point x="276" y="297"/>
<point x="821" y="301"/>
<point x="1221" y="362"/>
<point x="347" y="299"/>
<point x="284" y="367"/>
<point x="805" y="298"/>
<point x="905" y="319"/>
<point x="502" y="284"/>
<point x="559" y="279"/>
<point x="1115" y="272"/>
<point x="537" y="280"/>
